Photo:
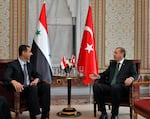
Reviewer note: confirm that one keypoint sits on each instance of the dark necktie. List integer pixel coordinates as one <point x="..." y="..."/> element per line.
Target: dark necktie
<point x="25" y="72"/>
<point x="115" y="74"/>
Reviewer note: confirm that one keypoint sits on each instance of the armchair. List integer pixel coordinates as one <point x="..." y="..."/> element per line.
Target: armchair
<point x="126" y="101"/>
<point x="141" y="99"/>
<point x="17" y="103"/>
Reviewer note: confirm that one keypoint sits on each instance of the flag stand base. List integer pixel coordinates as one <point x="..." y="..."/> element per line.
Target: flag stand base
<point x="69" y="112"/>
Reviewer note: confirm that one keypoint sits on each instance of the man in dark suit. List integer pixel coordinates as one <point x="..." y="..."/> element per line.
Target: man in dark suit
<point x="121" y="73"/>
<point x="28" y="82"/>
<point x="4" y="109"/>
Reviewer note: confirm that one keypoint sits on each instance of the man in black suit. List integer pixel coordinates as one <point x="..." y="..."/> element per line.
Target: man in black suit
<point x="121" y="73"/>
<point x="28" y="82"/>
<point x="4" y="108"/>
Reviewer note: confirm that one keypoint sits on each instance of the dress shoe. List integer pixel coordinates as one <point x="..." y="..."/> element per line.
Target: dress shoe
<point x="103" y="116"/>
<point x="114" y="117"/>
<point x="44" y="116"/>
<point x="33" y="117"/>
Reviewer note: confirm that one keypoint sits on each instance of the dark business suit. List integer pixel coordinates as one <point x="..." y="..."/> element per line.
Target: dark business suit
<point x="15" y="72"/>
<point x="4" y="109"/>
<point x="104" y="87"/>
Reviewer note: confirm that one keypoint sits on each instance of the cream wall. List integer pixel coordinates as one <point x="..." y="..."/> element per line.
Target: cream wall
<point x="117" y="23"/>
<point x="4" y="29"/>
<point x="122" y="23"/>
<point x="12" y="27"/>
<point x="119" y="27"/>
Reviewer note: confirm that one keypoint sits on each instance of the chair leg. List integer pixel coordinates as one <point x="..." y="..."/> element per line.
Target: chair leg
<point x="131" y="113"/>
<point x="135" y="115"/>
<point x="16" y="115"/>
<point x="94" y="109"/>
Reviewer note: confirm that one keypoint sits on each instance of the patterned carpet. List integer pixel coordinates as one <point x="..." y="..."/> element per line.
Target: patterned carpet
<point x="75" y="99"/>
<point x="82" y="104"/>
<point x="85" y="109"/>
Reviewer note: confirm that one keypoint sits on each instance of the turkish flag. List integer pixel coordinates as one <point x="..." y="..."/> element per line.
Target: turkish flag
<point x="87" y="57"/>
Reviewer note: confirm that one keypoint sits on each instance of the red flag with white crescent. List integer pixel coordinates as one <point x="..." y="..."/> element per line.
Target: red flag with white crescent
<point x="87" y="57"/>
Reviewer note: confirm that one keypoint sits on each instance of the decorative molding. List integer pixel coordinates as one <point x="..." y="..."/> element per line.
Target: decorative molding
<point x="142" y="47"/>
<point x="18" y="26"/>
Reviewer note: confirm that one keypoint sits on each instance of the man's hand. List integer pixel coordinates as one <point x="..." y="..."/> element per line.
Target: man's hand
<point x="94" y="76"/>
<point x="128" y="81"/>
<point x="34" y="82"/>
<point x="18" y="86"/>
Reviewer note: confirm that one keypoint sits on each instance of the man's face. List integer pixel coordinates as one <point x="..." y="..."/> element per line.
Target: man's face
<point x="118" y="55"/>
<point x="27" y="54"/>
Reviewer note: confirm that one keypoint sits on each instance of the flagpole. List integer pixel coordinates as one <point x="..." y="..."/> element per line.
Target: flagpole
<point x="74" y="35"/>
<point x="90" y="93"/>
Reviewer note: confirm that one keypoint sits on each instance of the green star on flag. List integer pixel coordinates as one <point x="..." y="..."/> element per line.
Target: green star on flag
<point x="49" y="55"/>
<point x="37" y="32"/>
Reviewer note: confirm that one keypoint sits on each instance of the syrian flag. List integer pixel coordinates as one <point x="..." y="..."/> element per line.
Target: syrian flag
<point x="40" y="48"/>
<point x="63" y="63"/>
<point x="87" y="57"/>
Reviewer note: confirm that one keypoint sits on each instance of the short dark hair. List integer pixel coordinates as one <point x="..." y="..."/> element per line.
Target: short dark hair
<point x="23" y="48"/>
<point x="122" y="50"/>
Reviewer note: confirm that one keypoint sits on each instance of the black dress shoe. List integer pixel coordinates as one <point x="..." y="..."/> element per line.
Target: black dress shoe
<point x="45" y="116"/>
<point x="33" y="117"/>
<point x="103" y="116"/>
<point x="114" y="117"/>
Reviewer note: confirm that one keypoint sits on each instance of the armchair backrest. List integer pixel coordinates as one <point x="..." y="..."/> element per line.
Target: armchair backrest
<point x="137" y="64"/>
<point x="3" y="66"/>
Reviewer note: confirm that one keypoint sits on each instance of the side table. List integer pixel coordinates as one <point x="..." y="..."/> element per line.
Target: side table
<point x="69" y="111"/>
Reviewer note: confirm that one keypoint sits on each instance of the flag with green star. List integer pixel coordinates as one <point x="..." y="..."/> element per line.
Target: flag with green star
<point x="41" y="58"/>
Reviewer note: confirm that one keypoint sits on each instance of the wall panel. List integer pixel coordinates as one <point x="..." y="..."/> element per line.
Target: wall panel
<point x="123" y="23"/>
<point x="4" y="29"/>
<point x="13" y="24"/>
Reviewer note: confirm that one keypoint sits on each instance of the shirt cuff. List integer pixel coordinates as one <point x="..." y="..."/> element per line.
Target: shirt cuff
<point x="131" y="78"/>
<point x="99" y="76"/>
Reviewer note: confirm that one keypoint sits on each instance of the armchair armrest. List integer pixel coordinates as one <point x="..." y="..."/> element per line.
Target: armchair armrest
<point x="11" y="95"/>
<point x="131" y="88"/>
<point x="136" y="90"/>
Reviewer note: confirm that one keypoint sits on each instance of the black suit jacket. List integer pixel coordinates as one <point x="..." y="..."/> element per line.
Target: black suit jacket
<point x="128" y="69"/>
<point x="14" y="72"/>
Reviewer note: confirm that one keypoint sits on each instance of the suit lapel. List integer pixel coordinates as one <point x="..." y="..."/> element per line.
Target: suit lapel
<point x="113" y="66"/>
<point x="122" y="66"/>
<point x="19" y="68"/>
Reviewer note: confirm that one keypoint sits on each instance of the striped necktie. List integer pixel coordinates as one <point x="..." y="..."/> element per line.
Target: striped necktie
<point x="25" y="72"/>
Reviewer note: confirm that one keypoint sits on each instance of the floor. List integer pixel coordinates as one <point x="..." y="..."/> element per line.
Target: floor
<point x="85" y="109"/>
<point x="81" y="100"/>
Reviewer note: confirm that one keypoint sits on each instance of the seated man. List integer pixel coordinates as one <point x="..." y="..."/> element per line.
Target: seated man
<point x="121" y="73"/>
<point x="4" y="109"/>
<point x="28" y="82"/>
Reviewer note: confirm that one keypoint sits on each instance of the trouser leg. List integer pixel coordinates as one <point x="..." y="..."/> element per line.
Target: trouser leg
<point x="4" y="109"/>
<point x="117" y="91"/>
<point x="100" y="91"/>
<point x="32" y="94"/>
<point x="44" y="93"/>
